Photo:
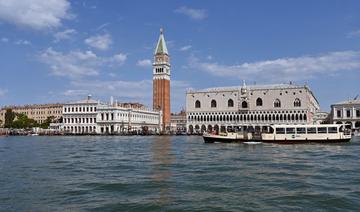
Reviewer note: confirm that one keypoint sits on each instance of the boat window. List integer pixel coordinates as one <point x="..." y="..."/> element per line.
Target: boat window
<point x="280" y="130"/>
<point x="311" y="130"/>
<point x="271" y="130"/>
<point x="300" y="130"/>
<point x="290" y="130"/>
<point x="341" y="129"/>
<point x="332" y="129"/>
<point x="322" y="130"/>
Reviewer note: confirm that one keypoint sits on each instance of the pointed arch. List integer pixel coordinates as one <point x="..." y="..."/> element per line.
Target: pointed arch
<point x="297" y="102"/>
<point x="197" y="104"/>
<point x="230" y="103"/>
<point x="213" y="103"/>
<point x="244" y="104"/>
<point x="277" y="103"/>
<point x="259" y="102"/>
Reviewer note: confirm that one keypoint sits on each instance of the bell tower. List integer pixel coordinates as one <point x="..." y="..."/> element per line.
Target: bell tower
<point x="161" y="81"/>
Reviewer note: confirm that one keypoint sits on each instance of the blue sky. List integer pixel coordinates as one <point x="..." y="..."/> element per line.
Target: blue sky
<point x="60" y="50"/>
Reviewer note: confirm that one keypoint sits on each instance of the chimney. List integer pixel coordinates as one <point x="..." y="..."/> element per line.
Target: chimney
<point x="89" y="97"/>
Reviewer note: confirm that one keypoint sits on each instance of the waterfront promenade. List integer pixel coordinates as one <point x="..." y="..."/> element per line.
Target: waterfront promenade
<point x="97" y="173"/>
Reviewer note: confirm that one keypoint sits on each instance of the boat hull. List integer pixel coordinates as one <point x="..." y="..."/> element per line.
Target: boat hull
<point x="213" y="139"/>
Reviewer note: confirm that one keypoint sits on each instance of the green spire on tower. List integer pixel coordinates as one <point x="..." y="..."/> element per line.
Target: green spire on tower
<point x="161" y="45"/>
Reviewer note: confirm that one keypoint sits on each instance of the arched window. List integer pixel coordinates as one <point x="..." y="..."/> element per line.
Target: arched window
<point x="244" y="104"/>
<point x="277" y="103"/>
<point x="197" y="104"/>
<point x="297" y="103"/>
<point x="230" y="103"/>
<point x="259" y="102"/>
<point x="213" y="103"/>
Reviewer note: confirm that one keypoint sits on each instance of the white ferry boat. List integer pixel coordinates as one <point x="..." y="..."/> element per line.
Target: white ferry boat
<point x="325" y="133"/>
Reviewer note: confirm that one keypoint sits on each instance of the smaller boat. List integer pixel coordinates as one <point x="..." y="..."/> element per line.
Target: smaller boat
<point x="224" y="137"/>
<point x="33" y="134"/>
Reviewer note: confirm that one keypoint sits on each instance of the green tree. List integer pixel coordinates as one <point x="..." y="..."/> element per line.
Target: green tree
<point x="47" y="122"/>
<point x="23" y="122"/>
<point x="9" y="118"/>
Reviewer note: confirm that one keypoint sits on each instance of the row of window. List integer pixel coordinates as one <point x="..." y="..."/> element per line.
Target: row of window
<point x="244" y="104"/>
<point x="79" y="120"/>
<point x="248" y="117"/>
<point x="348" y="113"/>
<point x="306" y="130"/>
<point x="251" y="112"/>
<point x="159" y="70"/>
<point x="39" y="112"/>
<point x="110" y="116"/>
<point x="79" y="109"/>
<point x="82" y="129"/>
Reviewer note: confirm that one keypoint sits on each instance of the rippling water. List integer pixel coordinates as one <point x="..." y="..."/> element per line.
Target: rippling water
<point x="175" y="173"/>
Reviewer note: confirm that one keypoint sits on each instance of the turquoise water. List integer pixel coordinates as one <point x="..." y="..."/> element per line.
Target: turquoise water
<point x="175" y="174"/>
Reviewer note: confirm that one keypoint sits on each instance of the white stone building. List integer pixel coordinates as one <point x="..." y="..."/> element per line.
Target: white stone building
<point x="346" y="112"/>
<point x="92" y="117"/>
<point x="114" y="119"/>
<point x="219" y="108"/>
<point x="80" y="117"/>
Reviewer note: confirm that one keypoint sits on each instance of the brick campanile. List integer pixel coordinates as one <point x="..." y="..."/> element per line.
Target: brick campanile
<point x="161" y="81"/>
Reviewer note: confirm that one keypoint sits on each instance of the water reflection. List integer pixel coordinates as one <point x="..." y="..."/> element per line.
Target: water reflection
<point x="162" y="160"/>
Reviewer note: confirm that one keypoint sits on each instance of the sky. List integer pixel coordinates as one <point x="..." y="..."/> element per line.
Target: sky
<point x="61" y="50"/>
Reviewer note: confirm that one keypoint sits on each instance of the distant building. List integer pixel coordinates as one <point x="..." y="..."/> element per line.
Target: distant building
<point x="92" y="117"/>
<point x="80" y="117"/>
<point x="321" y="118"/>
<point x="39" y="112"/>
<point x="219" y="108"/>
<point x="346" y="112"/>
<point x="161" y="81"/>
<point x="115" y="119"/>
<point x="178" y="122"/>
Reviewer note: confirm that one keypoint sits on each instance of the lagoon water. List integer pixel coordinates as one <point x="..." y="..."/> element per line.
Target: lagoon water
<point x="175" y="174"/>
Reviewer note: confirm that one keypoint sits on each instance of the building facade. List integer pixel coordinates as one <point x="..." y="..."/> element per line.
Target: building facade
<point x="80" y="117"/>
<point x="92" y="117"/>
<point x="114" y="119"/>
<point x="39" y="112"/>
<point x="219" y="108"/>
<point x="161" y="81"/>
<point x="346" y="112"/>
<point x="178" y="122"/>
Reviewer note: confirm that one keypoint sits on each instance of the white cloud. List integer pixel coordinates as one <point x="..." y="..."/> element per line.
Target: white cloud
<point x="285" y="69"/>
<point x="23" y="42"/>
<point x="136" y="91"/>
<point x="118" y="59"/>
<point x="5" y="40"/>
<point x="144" y="63"/>
<point x="195" y="14"/>
<point x="101" y="42"/>
<point x="185" y="48"/>
<point x="35" y="14"/>
<point x="353" y="34"/>
<point x="64" y="35"/>
<point x="3" y="92"/>
<point x="75" y="93"/>
<point x="77" y="64"/>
